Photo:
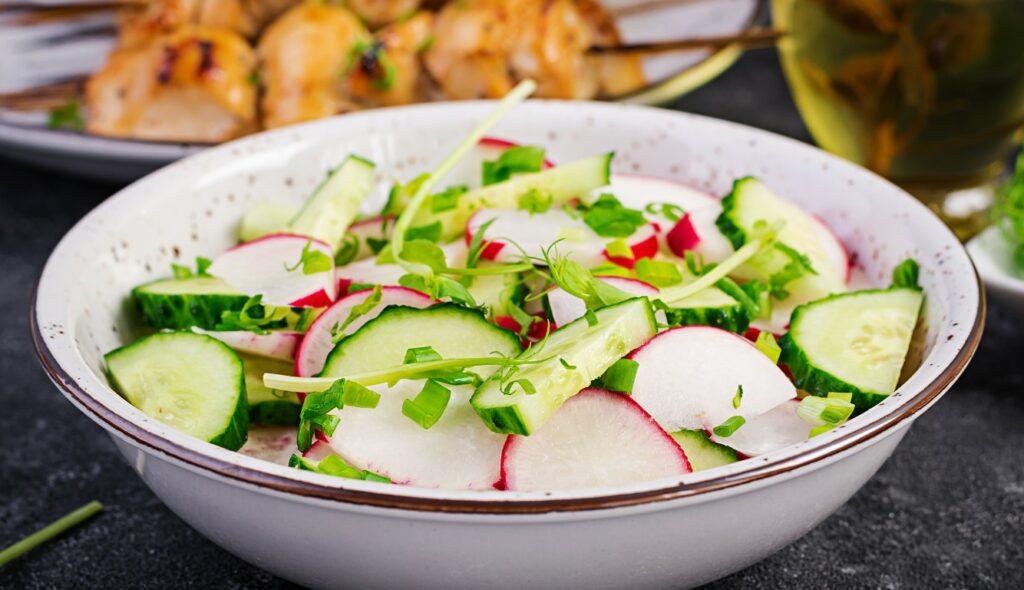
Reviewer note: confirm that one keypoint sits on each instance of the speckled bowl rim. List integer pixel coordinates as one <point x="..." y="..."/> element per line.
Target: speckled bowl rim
<point x="363" y="494"/>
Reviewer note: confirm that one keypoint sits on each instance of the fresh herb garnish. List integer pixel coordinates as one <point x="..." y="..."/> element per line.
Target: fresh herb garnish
<point x="373" y="61"/>
<point x="657" y="272"/>
<point x="669" y="211"/>
<point x="731" y="425"/>
<point x="311" y="261"/>
<point x="256" y="317"/>
<point x="566" y="365"/>
<point x="535" y="201"/>
<point x="183" y="272"/>
<point x="429" y="404"/>
<point x="430" y="232"/>
<point x="577" y="281"/>
<point x="620" y="376"/>
<point x="447" y="199"/>
<point x="315" y="413"/>
<point x="514" y="160"/>
<point x="619" y="249"/>
<point x="67" y="116"/>
<point x="825" y="413"/>
<point x="358" y="310"/>
<point x="796" y="267"/>
<point x="336" y="466"/>
<point x="906" y="274"/>
<point x="421" y="354"/>
<point x="49" y="532"/>
<point x="768" y="346"/>
<point x="610" y="219"/>
<point x="737" y="399"/>
<point x="347" y="250"/>
<point x="590" y="317"/>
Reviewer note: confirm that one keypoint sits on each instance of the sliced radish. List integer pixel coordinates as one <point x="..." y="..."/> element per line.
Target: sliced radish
<point x="683" y="237"/>
<point x="643" y="244"/>
<point x="832" y="249"/>
<point x="458" y="452"/>
<point x="596" y="439"/>
<point x="318" y="342"/>
<point x="565" y="308"/>
<point x="512" y="233"/>
<point x="273" y="344"/>
<point x="371" y="228"/>
<point x="688" y="378"/>
<point x="319" y="451"/>
<point x="368" y="272"/>
<point x="261" y="267"/>
<point x="773" y="430"/>
<point x="702" y="209"/>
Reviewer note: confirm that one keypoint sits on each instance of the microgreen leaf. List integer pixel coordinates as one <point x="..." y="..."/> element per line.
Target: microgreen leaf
<point x="312" y="261"/>
<point x="357" y="311"/>
<point x="348" y="250"/>
<point x="610" y="219"/>
<point x="447" y="199"/>
<point x="514" y="160"/>
<point x="658" y="273"/>
<point x="430" y="232"/>
<point x="906" y="274"/>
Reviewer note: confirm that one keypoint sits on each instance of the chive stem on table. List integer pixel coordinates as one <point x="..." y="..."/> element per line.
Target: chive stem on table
<point x="49" y="532"/>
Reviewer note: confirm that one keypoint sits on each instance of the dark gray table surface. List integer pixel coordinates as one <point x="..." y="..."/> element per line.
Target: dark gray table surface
<point x="944" y="512"/>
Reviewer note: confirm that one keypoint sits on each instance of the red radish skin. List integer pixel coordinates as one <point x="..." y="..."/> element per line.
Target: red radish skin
<point x="318" y="342"/>
<point x="538" y="329"/>
<point x="265" y="266"/>
<point x="501" y="145"/>
<point x="682" y="237"/>
<point x="687" y="378"/>
<point x="596" y="439"/>
<point x="838" y="255"/>
<point x="644" y="247"/>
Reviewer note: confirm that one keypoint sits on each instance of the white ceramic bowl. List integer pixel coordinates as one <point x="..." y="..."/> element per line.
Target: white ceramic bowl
<point x="327" y="532"/>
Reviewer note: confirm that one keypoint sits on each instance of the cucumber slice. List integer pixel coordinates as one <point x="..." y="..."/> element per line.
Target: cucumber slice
<point x="265" y="218"/>
<point x="334" y="204"/>
<point x="267" y="406"/>
<point x="710" y="307"/>
<point x="701" y="451"/>
<point x="852" y="343"/>
<point x="589" y="349"/>
<point x="177" y="304"/>
<point x="749" y="202"/>
<point x="563" y="183"/>
<point x="452" y="330"/>
<point x="189" y="381"/>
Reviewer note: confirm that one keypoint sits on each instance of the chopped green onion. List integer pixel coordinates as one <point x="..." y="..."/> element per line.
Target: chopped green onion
<point x="738" y="398"/>
<point x="67" y="116"/>
<point x="534" y="201"/>
<point x="846" y="397"/>
<point x="727" y="428"/>
<point x="766" y="344"/>
<point x="657" y="272"/>
<point x="359" y="396"/>
<point x="421" y="354"/>
<point x="591" y="318"/>
<point x="525" y="385"/>
<point x="50" y="531"/>
<point x="820" y="430"/>
<point x="335" y="466"/>
<point x="619" y="249"/>
<point x="620" y="376"/>
<point x="565" y="363"/>
<point x="819" y="411"/>
<point x="428" y="406"/>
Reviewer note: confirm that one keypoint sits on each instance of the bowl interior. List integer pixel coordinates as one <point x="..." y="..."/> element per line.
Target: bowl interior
<point x="192" y="209"/>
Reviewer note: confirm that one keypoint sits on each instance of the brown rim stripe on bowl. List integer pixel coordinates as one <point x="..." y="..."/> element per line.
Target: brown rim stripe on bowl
<point x="852" y="438"/>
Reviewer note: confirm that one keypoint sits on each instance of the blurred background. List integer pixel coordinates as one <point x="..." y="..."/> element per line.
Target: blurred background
<point x="929" y="93"/>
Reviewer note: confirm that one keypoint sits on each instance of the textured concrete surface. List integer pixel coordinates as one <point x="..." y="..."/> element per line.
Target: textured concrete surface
<point x="944" y="512"/>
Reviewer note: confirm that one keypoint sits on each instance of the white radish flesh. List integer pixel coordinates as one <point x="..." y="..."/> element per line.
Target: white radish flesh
<point x="597" y="439"/>
<point x="319" y="340"/>
<point x="271" y="266"/>
<point x="457" y="452"/>
<point x="638" y="192"/>
<point x="275" y="344"/>
<point x="565" y="308"/>
<point x="771" y="431"/>
<point x="688" y="378"/>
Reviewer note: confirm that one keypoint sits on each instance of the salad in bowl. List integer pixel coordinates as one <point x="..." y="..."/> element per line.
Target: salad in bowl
<point x="507" y="322"/>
